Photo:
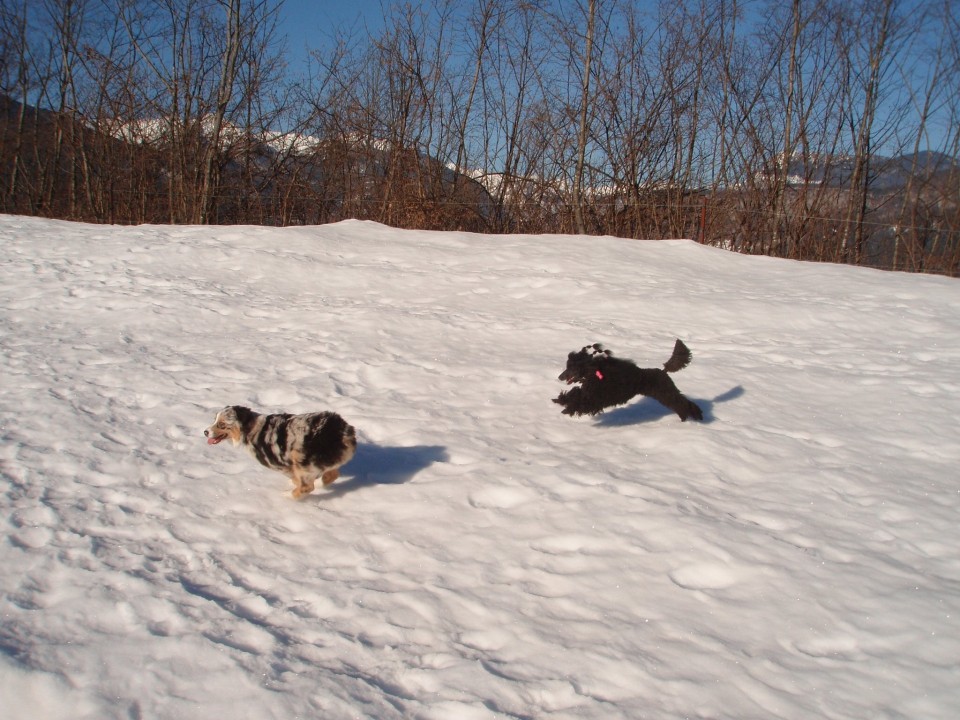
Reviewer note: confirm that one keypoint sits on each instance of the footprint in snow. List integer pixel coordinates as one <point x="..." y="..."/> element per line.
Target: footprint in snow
<point x="501" y="498"/>
<point x="704" y="576"/>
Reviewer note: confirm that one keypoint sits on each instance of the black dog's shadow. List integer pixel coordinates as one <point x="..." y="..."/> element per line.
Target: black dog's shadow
<point x="648" y="410"/>
<point x="383" y="465"/>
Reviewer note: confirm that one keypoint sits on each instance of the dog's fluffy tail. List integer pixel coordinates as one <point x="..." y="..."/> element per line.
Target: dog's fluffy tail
<point x="680" y="359"/>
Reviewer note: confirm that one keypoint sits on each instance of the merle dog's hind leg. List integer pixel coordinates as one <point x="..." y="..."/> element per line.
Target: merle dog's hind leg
<point x="304" y="486"/>
<point x="330" y="475"/>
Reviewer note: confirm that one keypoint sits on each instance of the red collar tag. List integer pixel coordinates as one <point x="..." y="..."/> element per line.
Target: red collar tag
<point x="599" y="375"/>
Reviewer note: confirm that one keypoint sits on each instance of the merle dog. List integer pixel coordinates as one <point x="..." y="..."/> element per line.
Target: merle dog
<point x="604" y="381"/>
<point x="302" y="447"/>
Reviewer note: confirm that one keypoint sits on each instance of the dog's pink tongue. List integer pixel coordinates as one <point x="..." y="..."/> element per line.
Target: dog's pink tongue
<point x="213" y="440"/>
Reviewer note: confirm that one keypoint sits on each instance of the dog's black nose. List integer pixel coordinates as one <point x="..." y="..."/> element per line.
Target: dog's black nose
<point x="206" y="433"/>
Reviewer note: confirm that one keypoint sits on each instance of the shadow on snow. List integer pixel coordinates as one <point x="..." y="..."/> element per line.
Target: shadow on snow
<point x="385" y="465"/>
<point x="649" y="410"/>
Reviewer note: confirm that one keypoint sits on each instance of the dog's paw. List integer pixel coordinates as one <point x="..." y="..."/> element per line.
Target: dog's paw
<point x="302" y="491"/>
<point x="694" y="412"/>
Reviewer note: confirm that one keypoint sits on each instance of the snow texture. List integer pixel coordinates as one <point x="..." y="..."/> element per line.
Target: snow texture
<point x="483" y="556"/>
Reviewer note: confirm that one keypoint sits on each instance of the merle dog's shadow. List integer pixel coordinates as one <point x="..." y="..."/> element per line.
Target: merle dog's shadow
<point x="385" y="465"/>
<point x="648" y="410"/>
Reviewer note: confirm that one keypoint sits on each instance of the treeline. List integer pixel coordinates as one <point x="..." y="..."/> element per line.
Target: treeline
<point x="810" y="129"/>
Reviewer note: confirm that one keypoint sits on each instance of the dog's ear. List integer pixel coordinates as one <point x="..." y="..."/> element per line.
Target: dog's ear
<point x="244" y="415"/>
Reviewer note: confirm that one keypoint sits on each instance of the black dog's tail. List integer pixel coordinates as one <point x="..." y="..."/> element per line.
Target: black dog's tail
<point x="680" y="359"/>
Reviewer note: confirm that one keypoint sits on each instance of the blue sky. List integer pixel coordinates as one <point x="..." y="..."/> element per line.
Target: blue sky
<point x="309" y="23"/>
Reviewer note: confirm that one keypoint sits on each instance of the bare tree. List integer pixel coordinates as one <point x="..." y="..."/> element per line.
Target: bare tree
<point x="583" y="130"/>
<point x="229" y="60"/>
<point x="15" y="83"/>
<point x="870" y="35"/>
<point x="760" y="126"/>
<point x="483" y="23"/>
<point x="514" y="142"/>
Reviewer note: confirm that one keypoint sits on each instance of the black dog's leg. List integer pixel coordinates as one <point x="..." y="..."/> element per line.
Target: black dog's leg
<point x="577" y="402"/>
<point x="662" y="389"/>
<point x="692" y="411"/>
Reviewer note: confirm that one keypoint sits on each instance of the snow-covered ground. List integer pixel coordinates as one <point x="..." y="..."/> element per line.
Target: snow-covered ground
<point x="797" y="555"/>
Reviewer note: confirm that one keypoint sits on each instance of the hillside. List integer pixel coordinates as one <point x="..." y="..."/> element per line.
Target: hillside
<point x="483" y="556"/>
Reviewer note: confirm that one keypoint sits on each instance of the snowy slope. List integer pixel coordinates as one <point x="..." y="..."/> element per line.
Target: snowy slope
<point x="794" y="556"/>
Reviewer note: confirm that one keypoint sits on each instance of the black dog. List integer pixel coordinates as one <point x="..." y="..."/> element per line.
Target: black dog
<point x="606" y="381"/>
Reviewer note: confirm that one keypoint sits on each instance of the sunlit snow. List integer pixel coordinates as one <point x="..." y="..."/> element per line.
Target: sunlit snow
<point x="796" y="555"/>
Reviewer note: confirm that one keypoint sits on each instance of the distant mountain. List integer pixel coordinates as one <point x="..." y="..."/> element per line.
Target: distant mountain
<point x="888" y="174"/>
<point x="270" y="178"/>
